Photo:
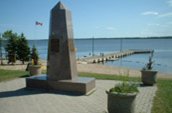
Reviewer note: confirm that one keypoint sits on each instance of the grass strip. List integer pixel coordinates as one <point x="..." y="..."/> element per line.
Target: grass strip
<point x="11" y="74"/>
<point x="110" y="77"/>
<point x="163" y="98"/>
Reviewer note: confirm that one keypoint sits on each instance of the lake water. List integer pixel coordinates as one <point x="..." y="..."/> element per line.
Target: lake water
<point x="162" y="48"/>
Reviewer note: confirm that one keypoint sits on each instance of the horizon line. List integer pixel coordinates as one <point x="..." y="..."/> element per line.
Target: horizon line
<point x="148" y="37"/>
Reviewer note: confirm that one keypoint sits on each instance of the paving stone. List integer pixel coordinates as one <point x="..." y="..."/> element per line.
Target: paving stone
<point x="14" y="98"/>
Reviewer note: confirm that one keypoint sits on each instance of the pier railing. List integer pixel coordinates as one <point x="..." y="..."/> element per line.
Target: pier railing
<point x="112" y="56"/>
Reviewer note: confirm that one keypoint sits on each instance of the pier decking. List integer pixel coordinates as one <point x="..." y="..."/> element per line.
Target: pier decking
<point x="113" y="56"/>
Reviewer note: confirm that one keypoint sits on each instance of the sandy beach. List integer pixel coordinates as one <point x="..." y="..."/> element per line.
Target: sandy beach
<point x="91" y="68"/>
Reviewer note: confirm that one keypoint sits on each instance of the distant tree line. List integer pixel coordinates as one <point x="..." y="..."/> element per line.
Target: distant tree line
<point x="17" y="47"/>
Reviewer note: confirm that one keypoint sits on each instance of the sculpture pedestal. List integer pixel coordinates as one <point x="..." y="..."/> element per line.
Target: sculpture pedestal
<point x="82" y="85"/>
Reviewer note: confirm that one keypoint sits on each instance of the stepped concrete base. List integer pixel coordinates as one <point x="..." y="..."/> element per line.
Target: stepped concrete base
<point x="81" y="85"/>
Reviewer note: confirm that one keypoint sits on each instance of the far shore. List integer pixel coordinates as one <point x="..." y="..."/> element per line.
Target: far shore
<point x="90" y="68"/>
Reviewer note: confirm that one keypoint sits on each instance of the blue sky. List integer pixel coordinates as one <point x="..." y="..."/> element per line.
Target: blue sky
<point x="91" y="18"/>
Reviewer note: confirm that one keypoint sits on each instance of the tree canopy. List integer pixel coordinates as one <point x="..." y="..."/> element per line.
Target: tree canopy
<point x="23" y="50"/>
<point x="17" y="47"/>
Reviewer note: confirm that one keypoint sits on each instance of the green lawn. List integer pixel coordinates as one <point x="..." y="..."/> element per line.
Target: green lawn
<point x="109" y="77"/>
<point x="162" y="100"/>
<point x="11" y="74"/>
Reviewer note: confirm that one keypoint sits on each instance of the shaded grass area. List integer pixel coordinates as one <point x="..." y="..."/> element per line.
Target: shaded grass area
<point x="162" y="101"/>
<point x="11" y="74"/>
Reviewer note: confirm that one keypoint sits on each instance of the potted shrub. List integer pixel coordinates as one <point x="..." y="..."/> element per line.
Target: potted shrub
<point x="121" y="98"/>
<point x="34" y="67"/>
<point x="148" y="76"/>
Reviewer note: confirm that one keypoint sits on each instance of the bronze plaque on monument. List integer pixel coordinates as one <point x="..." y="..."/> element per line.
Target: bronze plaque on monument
<point x="71" y="45"/>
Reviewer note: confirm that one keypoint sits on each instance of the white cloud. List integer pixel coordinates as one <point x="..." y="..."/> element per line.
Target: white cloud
<point x="150" y="13"/>
<point x="154" y="24"/>
<point x="97" y="27"/>
<point x="169" y="14"/>
<point x="169" y="2"/>
<point x="110" y="28"/>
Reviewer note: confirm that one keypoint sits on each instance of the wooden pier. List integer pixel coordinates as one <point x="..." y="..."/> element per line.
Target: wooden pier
<point x="112" y="56"/>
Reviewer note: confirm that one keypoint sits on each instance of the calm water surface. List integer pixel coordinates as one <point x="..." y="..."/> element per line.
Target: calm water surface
<point x="162" y="48"/>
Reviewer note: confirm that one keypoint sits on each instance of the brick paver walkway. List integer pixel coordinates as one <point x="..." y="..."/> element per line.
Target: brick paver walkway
<point x="14" y="98"/>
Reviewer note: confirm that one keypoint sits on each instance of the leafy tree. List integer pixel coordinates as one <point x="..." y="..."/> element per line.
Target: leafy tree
<point x="1" y="49"/>
<point x="16" y="47"/>
<point x="11" y="48"/>
<point x="23" y="50"/>
<point x="8" y="34"/>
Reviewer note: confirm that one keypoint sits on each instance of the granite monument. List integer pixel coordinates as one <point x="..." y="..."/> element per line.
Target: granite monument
<point x="61" y="66"/>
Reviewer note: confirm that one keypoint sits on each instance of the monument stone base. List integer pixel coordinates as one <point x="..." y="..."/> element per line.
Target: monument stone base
<point x="82" y="85"/>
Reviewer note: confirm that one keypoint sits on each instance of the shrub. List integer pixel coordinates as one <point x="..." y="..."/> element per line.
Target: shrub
<point x="34" y="55"/>
<point x="124" y="87"/>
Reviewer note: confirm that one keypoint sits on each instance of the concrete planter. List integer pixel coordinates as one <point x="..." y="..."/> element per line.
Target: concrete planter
<point x="35" y="69"/>
<point x="121" y="103"/>
<point x="148" y="77"/>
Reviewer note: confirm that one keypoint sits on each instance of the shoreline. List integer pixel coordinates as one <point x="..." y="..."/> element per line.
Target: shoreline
<point x="92" y="68"/>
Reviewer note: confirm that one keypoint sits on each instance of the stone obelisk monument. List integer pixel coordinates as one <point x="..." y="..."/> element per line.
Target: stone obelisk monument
<point x="61" y="52"/>
<point x="61" y="65"/>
